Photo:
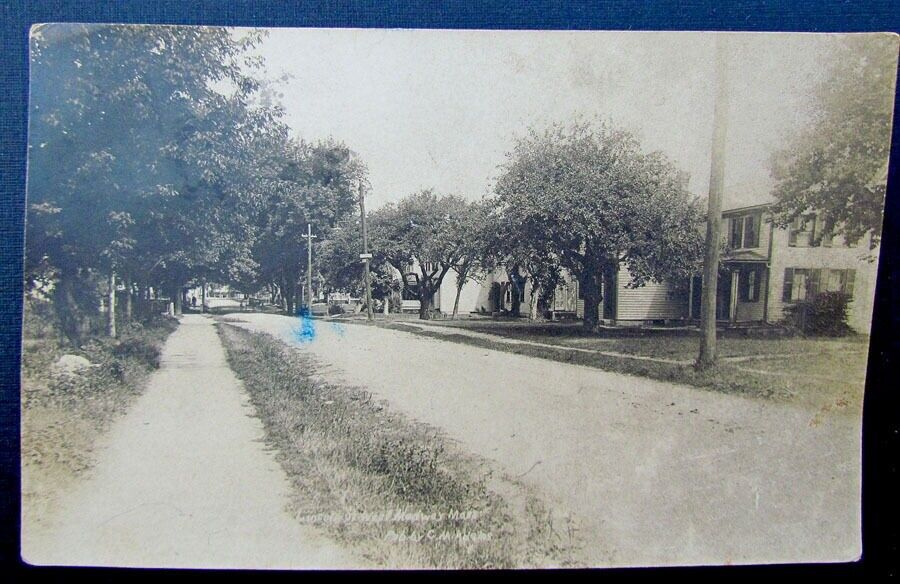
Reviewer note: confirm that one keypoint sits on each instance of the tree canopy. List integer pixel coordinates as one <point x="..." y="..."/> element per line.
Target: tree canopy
<point x="586" y="196"/>
<point x="837" y="166"/>
<point x="158" y="158"/>
<point x="417" y="235"/>
<point x="312" y="183"/>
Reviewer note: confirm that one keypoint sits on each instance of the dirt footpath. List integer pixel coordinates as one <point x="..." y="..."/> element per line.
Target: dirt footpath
<point x="656" y="473"/>
<point x="184" y="480"/>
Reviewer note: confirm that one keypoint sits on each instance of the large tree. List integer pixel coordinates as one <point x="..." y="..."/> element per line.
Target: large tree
<point x="315" y="184"/>
<point x="592" y="196"/>
<point x="340" y="266"/>
<point x="515" y="242"/>
<point x="471" y="233"/>
<point x="417" y="236"/>
<point x="139" y="149"/>
<point x="837" y="165"/>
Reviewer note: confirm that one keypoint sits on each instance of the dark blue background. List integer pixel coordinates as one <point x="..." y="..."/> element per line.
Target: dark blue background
<point x="882" y="412"/>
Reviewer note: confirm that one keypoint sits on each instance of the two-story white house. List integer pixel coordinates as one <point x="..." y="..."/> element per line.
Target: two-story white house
<point x="762" y="270"/>
<point x="765" y="269"/>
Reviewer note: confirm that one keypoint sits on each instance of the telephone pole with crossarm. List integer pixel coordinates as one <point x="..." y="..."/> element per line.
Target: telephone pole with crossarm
<point x="365" y="256"/>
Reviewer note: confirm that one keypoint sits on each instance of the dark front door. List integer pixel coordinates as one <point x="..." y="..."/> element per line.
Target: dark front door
<point x="696" y="296"/>
<point x="723" y="296"/>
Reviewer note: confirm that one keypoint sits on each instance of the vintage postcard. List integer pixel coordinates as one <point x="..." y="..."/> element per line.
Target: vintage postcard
<point x="361" y="299"/>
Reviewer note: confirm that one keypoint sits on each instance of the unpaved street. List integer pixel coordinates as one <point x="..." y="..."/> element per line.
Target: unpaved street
<point x="184" y="480"/>
<point x="656" y="473"/>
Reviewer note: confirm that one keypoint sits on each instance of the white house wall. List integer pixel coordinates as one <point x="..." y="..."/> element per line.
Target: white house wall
<point x="753" y="311"/>
<point x="469" y="297"/>
<point x="837" y="257"/>
<point x="652" y="301"/>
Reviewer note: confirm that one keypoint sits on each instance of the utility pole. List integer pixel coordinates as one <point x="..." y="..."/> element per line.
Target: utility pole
<point x="309" y="237"/>
<point x="365" y="255"/>
<point x="707" y="357"/>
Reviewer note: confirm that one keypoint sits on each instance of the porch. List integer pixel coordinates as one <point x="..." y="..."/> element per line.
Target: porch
<point x="742" y="294"/>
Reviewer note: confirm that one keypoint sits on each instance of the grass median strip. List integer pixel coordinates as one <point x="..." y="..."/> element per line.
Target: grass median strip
<point x="395" y="490"/>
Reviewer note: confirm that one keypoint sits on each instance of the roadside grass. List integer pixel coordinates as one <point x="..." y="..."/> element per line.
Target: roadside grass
<point x="63" y="415"/>
<point x="673" y="343"/>
<point x="395" y="490"/>
<point x="814" y="373"/>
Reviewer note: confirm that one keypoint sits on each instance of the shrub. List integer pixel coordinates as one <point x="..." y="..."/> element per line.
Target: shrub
<point x="335" y="309"/>
<point x="824" y="315"/>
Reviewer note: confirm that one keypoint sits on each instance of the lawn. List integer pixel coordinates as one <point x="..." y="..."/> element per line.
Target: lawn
<point x="819" y="373"/>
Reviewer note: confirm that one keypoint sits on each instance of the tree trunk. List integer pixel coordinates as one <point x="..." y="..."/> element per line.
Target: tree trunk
<point x="590" y="285"/>
<point x="111" y="322"/>
<point x="533" y="303"/>
<point x="177" y="300"/>
<point x="129" y="301"/>
<point x="67" y="309"/>
<point x="515" y="298"/>
<point x="459" y="288"/>
<point x="426" y="303"/>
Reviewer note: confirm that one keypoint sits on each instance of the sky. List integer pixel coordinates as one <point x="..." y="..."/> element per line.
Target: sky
<point x="440" y="109"/>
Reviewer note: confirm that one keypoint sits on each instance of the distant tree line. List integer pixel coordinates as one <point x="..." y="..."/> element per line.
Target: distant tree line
<point x="158" y="159"/>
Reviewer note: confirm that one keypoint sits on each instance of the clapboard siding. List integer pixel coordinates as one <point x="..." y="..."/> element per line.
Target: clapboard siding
<point x="649" y="302"/>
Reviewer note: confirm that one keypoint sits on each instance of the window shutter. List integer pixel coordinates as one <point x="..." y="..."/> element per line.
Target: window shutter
<point x="757" y="283"/>
<point x="737" y="228"/>
<point x="788" y="285"/>
<point x="849" y="281"/>
<point x="792" y="233"/>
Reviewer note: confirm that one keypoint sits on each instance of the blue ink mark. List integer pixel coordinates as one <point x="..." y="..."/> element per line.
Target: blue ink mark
<point x="338" y="328"/>
<point x="306" y="332"/>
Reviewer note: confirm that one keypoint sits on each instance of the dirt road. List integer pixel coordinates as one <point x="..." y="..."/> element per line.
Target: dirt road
<point x="656" y="473"/>
<point x="184" y="480"/>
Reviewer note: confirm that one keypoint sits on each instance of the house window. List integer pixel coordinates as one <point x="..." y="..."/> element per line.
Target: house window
<point x="737" y="232"/>
<point x="750" y="283"/>
<point x="804" y="284"/>
<point x="745" y="231"/>
<point x="751" y="230"/>
<point x="802" y="231"/>
<point x="838" y="281"/>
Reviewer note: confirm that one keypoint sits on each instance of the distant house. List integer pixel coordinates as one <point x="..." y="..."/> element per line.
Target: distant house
<point x="652" y="302"/>
<point x="763" y="269"/>
<point x="444" y="297"/>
